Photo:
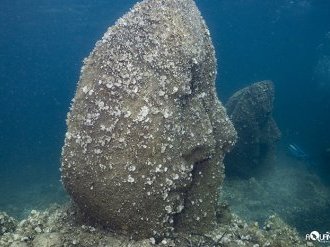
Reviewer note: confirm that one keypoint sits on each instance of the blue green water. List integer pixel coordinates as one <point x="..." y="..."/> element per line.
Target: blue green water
<point x="43" y="42"/>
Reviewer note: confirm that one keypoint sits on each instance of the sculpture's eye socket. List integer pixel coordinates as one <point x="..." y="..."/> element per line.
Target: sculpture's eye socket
<point x="195" y="74"/>
<point x="198" y="155"/>
<point x="192" y="85"/>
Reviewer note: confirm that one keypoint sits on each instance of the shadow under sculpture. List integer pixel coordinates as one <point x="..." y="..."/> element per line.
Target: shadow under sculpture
<point x="146" y="132"/>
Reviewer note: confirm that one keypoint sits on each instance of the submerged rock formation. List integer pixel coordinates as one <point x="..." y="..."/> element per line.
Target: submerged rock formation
<point x="7" y="223"/>
<point x="146" y="133"/>
<point x="250" y="109"/>
<point x="55" y="227"/>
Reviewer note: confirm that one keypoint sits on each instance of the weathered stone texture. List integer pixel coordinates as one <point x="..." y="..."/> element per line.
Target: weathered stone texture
<point x="250" y="109"/>
<point x="146" y="133"/>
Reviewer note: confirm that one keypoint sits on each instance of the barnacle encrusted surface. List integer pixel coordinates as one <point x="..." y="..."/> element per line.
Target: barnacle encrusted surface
<point x="58" y="227"/>
<point x="7" y="223"/>
<point x="146" y="133"/>
<point x="251" y="109"/>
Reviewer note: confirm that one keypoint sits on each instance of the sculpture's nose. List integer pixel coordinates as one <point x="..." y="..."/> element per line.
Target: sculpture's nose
<point x="198" y="140"/>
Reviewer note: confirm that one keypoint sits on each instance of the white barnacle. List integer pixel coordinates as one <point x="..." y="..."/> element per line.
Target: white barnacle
<point x="161" y="93"/>
<point x="127" y="114"/>
<point x="85" y="89"/>
<point x="168" y="209"/>
<point x="131" y="168"/>
<point x="165" y="195"/>
<point x="149" y="182"/>
<point x="158" y="168"/>
<point x="167" y="113"/>
<point x="109" y="85"/>
<point x="179" y="208"/>
<point x="148" y="58"/>
<point x="164" y="242"/>
<point x="186" y="90"/>
<point x="163" y="79"/>
<point x="130" y="179"/>
<point x="118" y="84"/>
<point x="88" y="139"/>
<point x="169" y="182"/>
<point x="201" y="95"/>
<point x="121" y="22"/>
<point x="143" y="113"/>
<point x="103" y="167"/>
<point x="100" y="104"/>
<point x="163" y="148"/>
<point x="152" y="241"/>
<point x="68" y="135"/>
<point x="166" y="218"/>
<point x="183" y="168"/>
<point x="135" y="89"/>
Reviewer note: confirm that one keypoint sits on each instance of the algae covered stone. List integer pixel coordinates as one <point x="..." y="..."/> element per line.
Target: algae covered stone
<point x="7" y="223"/>
<point x="146" y="132"/>
<point x="251" y="109"/>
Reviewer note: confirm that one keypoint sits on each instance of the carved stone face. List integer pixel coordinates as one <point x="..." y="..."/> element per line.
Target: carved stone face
<point x="250" y="109"/>
<point x="146" y="133"/>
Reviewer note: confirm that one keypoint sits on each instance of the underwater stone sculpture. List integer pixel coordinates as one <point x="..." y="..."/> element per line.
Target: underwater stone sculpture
<point x="250" y="110"/>
<point x="146" y="133"/>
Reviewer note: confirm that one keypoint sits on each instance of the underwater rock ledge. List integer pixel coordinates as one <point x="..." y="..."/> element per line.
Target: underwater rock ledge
<point x="146" y="136"/>
<point x="59" y="226"/>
